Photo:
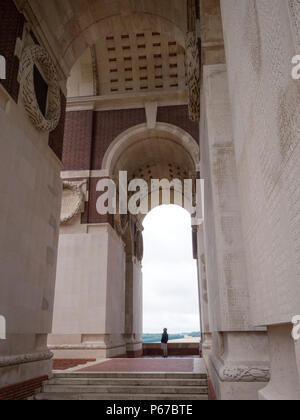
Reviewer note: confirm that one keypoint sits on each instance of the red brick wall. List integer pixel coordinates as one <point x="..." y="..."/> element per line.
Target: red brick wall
<point x="108" y="125"/>
<point x="88" y="134"/>
<point x="77" y="140"/>
<point x="11" y="27"/>
<point x="56" y="137"/>
<point x="179" y="116"/>
<point x="93" y="216"/>
<point x="22" y="390"/>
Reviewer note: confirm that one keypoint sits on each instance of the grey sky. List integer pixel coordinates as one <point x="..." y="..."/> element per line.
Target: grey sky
<point x="169" y="272"/>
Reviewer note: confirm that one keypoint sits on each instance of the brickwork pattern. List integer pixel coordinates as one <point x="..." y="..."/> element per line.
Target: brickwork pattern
<point x="88" y="135"/>
<point x="77" y="140"/>
<point x="21" y="391"/>
<point x="179" y="116"/>
<point x="12" y="24"/>
<point x="56" y="137"/>
<point x="93" y="216"/>
<point x="108" y="125"/>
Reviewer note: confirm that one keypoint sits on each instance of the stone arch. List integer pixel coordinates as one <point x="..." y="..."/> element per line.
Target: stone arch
<point x="135" y="134"/>
<point x="136" y="22"/>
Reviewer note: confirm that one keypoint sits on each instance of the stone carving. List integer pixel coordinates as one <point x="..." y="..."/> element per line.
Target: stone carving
<point x="122" y="222"/>
<point x="31" y="56"/>
<point x="244" y="374"/>
<point x="193" y="64"/>
<point x="240" y="373"/>
<point x="25" y="358"/>
<point x="72" y="201"/>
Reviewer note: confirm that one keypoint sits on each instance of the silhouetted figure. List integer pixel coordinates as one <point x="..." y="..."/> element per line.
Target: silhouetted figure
<point x="164" y="342"/>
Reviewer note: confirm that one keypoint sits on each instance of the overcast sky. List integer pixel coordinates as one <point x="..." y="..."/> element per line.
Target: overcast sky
<point x="169" y="272"/>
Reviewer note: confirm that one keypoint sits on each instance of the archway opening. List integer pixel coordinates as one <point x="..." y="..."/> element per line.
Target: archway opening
<point x="170" y="285"/>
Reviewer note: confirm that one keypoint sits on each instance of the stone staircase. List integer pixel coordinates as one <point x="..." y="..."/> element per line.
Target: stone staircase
<point x="125" y="386"/>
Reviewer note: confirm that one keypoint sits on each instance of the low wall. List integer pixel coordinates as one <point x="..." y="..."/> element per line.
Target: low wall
<point x="174" y="349"/>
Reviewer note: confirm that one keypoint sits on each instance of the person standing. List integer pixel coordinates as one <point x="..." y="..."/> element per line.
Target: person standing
<point x="164" y="342"/>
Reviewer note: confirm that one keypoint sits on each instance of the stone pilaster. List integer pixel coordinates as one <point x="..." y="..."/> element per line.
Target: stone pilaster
<point x="233" y="353"/>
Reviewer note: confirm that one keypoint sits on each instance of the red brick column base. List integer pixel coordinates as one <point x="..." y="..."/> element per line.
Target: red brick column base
<point x="22" y="390"/>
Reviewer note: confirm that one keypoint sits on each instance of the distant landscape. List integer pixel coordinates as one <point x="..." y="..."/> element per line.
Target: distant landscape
<point x="155" y="338"/>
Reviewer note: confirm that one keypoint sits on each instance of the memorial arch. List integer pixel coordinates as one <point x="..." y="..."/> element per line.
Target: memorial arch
<point x="161" y="152"/>
<point x="160" y="88"/>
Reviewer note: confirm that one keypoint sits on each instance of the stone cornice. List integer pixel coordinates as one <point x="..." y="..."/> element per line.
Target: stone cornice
<point x="25" y="358"/>
<point x="126" y="101"/>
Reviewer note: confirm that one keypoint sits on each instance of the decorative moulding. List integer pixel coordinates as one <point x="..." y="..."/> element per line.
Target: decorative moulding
<point x="72" y="201"/>
<point x="25" y="358"/>
<point x="38" y="56"/>
<point x="241" y="373"/>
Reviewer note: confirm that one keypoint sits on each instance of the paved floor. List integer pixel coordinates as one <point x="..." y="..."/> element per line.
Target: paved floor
<point x="187" y="365"/>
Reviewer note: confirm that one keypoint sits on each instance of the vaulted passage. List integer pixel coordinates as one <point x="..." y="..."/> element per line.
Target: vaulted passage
<point x="108" y="110"/>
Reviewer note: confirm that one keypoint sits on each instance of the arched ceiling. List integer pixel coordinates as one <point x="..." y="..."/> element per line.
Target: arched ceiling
<point x="155" y="158"/>
<point x="69" y="27"/>
<point x="164" y="151"/>
<point x="124" y="62"/>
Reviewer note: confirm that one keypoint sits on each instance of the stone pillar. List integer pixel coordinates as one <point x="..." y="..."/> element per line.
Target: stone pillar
<point x="238" y="362"/>
<point x="264" y="100"/>
<point x="89" y="309"/>
<point x="203" y="292"/>
<point x="133" y="308"/>
<point x="30" y="192"/>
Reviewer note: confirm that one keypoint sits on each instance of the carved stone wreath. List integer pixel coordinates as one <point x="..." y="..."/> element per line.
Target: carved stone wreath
<point x="37" y="55"/>
<point x="72" y="201"/>
<point x="193" y="75"/>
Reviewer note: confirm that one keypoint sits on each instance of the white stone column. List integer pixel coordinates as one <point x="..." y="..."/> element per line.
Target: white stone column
<point x="89" y="309"/>
<point x="133" y="308"/>
<point x="30" y="193"/>
<point x="261" y="37"/>
<point x="238" y="362"/>
<point x="203" y="292"/>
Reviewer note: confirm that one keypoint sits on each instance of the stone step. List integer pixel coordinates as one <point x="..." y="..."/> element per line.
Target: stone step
<point x="121" y="397"/>
<point x="127" y="382"/>
<point x="130" y="375"/>
<point x="123" y="390"/>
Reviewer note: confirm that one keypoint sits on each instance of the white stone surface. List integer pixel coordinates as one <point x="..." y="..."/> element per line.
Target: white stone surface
<point x="227" y="276"/>
<point x="89" y="305"/>
<point x="285" y="378"/>
<point x="30" y="193"/>
<point x="266" y="121"/>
